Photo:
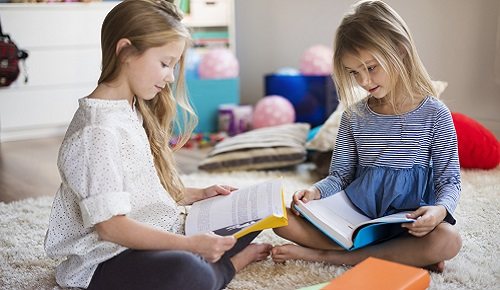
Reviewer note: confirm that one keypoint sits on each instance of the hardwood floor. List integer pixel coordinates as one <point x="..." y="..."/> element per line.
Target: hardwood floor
<point x="29" y="169"/>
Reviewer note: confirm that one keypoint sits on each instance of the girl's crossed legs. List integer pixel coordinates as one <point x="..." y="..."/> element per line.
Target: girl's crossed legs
<point x="169" y="269"/>
<point x="429" y="251"/>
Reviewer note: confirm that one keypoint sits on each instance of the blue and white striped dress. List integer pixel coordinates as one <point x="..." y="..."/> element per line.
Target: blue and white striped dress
<point x="389" y="163"/>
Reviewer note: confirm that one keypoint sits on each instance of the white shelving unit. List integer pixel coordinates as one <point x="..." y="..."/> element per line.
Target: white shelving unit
<point x="63" y="41"/>
<point x="218" y="15"/>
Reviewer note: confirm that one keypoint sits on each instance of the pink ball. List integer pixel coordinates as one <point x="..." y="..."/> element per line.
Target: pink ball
<point x="273" y="110"/>
<point x="218" y="63"/>
<point x="316" y="61"/>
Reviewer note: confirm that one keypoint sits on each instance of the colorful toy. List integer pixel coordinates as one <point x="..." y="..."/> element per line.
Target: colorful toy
<point x="200" y="140"/>
<point x="287" y="71"/>
<point x="313" y="97"/>
<point x="218" y="63"/>
<point x="235" y="119"/>
<point x="477" y="146"/>
<point x="271" y="111"/>
<point x="316" y="61"/>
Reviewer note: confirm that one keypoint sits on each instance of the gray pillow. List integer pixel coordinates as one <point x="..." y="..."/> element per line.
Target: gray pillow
<point x="264" y="148"/>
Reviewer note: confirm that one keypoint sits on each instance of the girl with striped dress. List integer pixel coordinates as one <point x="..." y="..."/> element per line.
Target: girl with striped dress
<point x="396" y="148"/>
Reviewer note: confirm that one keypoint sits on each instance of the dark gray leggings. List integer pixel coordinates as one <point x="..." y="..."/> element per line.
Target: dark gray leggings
<point x="136" y="269"/>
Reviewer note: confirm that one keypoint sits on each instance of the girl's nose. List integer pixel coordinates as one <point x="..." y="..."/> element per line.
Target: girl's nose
<point x="363" y="79"/>
<point x="169" y="77"/>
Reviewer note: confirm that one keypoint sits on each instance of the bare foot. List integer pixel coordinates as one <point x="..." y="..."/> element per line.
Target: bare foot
<point x="252" y="253"/>
<point x="293" y="252"/>
<point x="438" y="267"/>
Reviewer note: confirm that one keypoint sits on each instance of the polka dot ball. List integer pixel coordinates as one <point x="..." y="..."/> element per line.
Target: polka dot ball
<point x="271" y="111"/>
<point x="219" y="63"/>
<point x="316" y="61"/>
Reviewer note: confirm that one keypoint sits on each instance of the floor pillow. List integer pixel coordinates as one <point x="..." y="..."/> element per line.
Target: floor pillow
<point x="477" y="146"/>
<point x="264" y="148"/>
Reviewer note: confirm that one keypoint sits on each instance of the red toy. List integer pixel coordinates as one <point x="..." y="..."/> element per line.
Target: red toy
<point x="477" y="146"/>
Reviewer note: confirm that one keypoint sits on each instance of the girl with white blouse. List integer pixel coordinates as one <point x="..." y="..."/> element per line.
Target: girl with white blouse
<point x="116" y="221"/>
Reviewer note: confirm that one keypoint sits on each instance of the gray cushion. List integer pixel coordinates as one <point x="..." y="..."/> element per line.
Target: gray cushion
<point x="264" y="148"/>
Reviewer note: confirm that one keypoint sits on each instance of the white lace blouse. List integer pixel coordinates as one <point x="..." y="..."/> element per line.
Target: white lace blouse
<point x="107" y="169"/>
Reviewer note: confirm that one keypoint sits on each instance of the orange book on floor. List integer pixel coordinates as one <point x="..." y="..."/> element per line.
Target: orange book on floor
<point x="378" y="274"/>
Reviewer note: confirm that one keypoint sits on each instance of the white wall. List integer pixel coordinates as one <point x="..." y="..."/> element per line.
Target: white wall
<point x="458" y="41"/>
<point x="63" y="41"/>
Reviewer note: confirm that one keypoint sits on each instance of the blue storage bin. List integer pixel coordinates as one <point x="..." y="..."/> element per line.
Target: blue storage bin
<point x="313" y="97"/>
<point x="207" y="95"/>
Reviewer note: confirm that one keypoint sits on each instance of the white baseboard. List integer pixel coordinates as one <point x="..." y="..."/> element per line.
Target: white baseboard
<point x="32" y="133"/>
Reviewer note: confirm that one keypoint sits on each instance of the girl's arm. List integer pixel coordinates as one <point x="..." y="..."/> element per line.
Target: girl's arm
<point x="446" y="178"/>
<point x="132" y="234"/>
<point x="194" y="194"/>
<point x="446" y="167"/>
<point x="344" y="160"/>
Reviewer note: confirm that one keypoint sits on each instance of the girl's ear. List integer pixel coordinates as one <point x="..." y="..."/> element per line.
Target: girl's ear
<point x="402" y="51"/>
<point x="122" y="44"/>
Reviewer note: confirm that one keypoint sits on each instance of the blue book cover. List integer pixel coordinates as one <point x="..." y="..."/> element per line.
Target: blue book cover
<point x="340" y="220"/>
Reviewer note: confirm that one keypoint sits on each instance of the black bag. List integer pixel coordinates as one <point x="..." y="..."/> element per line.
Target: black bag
<point x="10" y="56"/>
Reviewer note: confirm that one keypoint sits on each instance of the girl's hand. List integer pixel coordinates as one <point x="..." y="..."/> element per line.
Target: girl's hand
<point x="304" y="195"/>
<point x="427" y="218"/>
<point x="210" y="246"/>
<point x="194" y="194"/>
<point x="217" y="189"/>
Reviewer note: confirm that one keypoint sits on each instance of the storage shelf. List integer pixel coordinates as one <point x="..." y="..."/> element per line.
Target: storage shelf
<point x="63" y="40"/>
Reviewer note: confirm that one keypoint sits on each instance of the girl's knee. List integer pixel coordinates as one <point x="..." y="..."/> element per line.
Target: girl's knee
<point x="284" y="231"/>
<point x="279" y="231"/>
<point x="199" y="271"/>
<point x="448" y="241"/>
<point x="190" y="262"/>
<point x="454" y="241"/>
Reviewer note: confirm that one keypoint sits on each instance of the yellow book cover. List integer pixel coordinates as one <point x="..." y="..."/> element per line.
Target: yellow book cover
<point x="249" y="209"/>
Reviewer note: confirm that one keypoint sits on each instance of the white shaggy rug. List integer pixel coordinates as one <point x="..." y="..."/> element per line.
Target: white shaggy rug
<point x="23" y="264"/>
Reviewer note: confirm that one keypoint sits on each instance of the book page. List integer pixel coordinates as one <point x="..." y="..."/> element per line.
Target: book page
<point x="237" y="210"/>
<point x="342" y="206"/>
<point x="399" y="217"/>
<point x="334" y="215"/>
<point x="329" y="219"/>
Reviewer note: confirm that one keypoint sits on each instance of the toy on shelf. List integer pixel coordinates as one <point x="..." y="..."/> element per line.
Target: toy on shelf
<point x="273" y="110"/>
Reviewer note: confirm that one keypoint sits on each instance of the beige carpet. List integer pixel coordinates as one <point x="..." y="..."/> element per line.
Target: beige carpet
<point x="23" y="264"/>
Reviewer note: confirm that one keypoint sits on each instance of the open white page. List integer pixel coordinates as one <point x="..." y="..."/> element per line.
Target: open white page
<point x="335" y="215"/>
<point x="241" y="206"/>
<point x="392" y="218"/>
<point x="342" y="206"/>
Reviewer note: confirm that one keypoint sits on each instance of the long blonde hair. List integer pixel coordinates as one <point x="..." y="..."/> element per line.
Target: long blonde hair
<point x="147" y="24"/>
<point x="375" y="27"/>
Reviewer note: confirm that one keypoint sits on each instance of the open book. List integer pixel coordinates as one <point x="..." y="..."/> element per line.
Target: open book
<point x="253" y="208"/>
<point x="341" y="221"/>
